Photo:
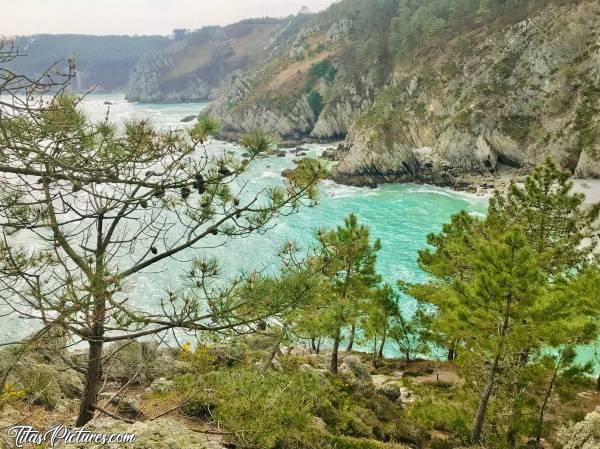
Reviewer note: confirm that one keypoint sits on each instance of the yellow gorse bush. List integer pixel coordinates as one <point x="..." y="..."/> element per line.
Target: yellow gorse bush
<point x="201" y="359"/>
<point x="10" y="393"/>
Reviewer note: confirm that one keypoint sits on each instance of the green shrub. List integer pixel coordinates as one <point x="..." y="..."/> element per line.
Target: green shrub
<point x="328" y="441"/>
<point x="41" y="385"/>
<point x="441" y="415"/>
<point x="315" y="100"/>
<point x="323" y="69"/>
<point x="263" y="409"/>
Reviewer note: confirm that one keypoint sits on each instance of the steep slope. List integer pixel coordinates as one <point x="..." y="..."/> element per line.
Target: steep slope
<point x="321" y="82"/>
<point x="498" y="95"/>
<point x="103" y="62"/>
<point x="434" y="90"/>
<point x="195" y="67"/>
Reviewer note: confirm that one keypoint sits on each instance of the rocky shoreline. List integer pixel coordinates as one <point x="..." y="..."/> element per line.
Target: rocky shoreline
<point x="429" y="170"/>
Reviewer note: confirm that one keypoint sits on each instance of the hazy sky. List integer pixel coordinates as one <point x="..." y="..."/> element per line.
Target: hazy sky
<point x="22" y="17"/>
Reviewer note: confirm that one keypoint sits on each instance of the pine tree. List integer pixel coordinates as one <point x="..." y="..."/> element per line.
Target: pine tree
<point x="347" y="258"/>
<point x="504" y="285"/>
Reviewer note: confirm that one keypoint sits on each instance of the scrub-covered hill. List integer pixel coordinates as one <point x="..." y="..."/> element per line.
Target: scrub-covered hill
<point x="195" y="67"/>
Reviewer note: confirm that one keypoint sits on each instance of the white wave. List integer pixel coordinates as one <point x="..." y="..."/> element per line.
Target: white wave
<point x="473" y="198"/>
<point x="435" y="192"/>
<point x="477" y="214"/>
<point x="270" y="174"/>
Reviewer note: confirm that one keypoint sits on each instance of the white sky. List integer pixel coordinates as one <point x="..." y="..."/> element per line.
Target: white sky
<point x="24" y="17"/>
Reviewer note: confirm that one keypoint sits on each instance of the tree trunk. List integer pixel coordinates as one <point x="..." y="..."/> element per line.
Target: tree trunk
<point x="313" y="345"/>
<point x="452" y="351"/>
<point x="484" y="401"/>
<point x="334" y="354"/>
<point x="487" y="392"/>
<point x="381" y="346"/>
<point x="318" y="345"/>
<point x="540" y="430"/>
<point x="93" y="378"/>
<point x="598" y="383"/>
<point x="351" y="340"/>
<point x="375" y="353"/>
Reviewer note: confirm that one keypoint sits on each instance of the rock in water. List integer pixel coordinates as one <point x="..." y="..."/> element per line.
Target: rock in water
<point x="188" y="118"/>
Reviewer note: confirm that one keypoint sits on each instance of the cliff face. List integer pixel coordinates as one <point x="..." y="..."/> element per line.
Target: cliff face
<point x="103" y="62"/>
<point x="317" y="85"/>
<point x="421" y="91"/>
<point x="508" y="96"/>
<point x="197" y="66"/>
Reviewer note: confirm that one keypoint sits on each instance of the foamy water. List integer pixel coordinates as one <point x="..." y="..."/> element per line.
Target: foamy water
<point x="401" y="216"/>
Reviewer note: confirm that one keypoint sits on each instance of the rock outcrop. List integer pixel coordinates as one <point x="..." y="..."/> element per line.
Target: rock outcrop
<point x="497" y="98"/>
<point x="583" y="435"/>
<point x="513" y="98"/>
<point x="43" y="370"/>
<point x="354" y="372"/>
<point x="157" y="434"/>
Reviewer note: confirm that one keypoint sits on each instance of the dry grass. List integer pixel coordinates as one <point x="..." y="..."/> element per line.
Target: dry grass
<point x="295" y="73"/>
<point x="195" y="56"/>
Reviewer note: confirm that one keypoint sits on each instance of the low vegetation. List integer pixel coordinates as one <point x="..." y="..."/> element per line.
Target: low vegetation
<point x="509" y="300"/>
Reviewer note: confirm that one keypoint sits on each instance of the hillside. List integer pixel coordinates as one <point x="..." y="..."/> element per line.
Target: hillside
<point x="320" y="83"/>
<point x="103" y="62"/>
<point x="431" y="91"/>
<point x="195" y="67"/>
<point x="495" y="97"/>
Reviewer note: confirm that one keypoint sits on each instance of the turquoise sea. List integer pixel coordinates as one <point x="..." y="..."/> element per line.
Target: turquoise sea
<point x="401" y="216"/>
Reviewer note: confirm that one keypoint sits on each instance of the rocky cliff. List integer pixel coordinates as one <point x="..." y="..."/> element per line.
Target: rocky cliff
<point x="494" y="97"/>
<point x="199" y="64"/>
<point x="432" y="91"/>
<point x="483" y="96"/>
<point x="317" y="85"/>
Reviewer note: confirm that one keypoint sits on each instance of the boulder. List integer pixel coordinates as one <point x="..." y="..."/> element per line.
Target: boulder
<point x="41" y="382"/>
<point x="583" y="435"/>
<point x="129" y="360"/>
<point x="157" y="434"/>
<point x="8" y="417"/>
<point x="188" y="118"/>
<point x="41" y="368"/>
<point x="162" y="386"/>
<point x="228" y="354"/>
<point x="391" y="390"/>
<point x="276" y="365"/>
<point x="127" y="406"/>
<point x="143" y="362"/>
<point x="354" y="372"/>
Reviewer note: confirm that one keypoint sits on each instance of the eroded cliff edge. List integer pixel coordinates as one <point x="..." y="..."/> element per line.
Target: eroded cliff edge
<point x="507" y="98"/>
<point x="420" y="92"/>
